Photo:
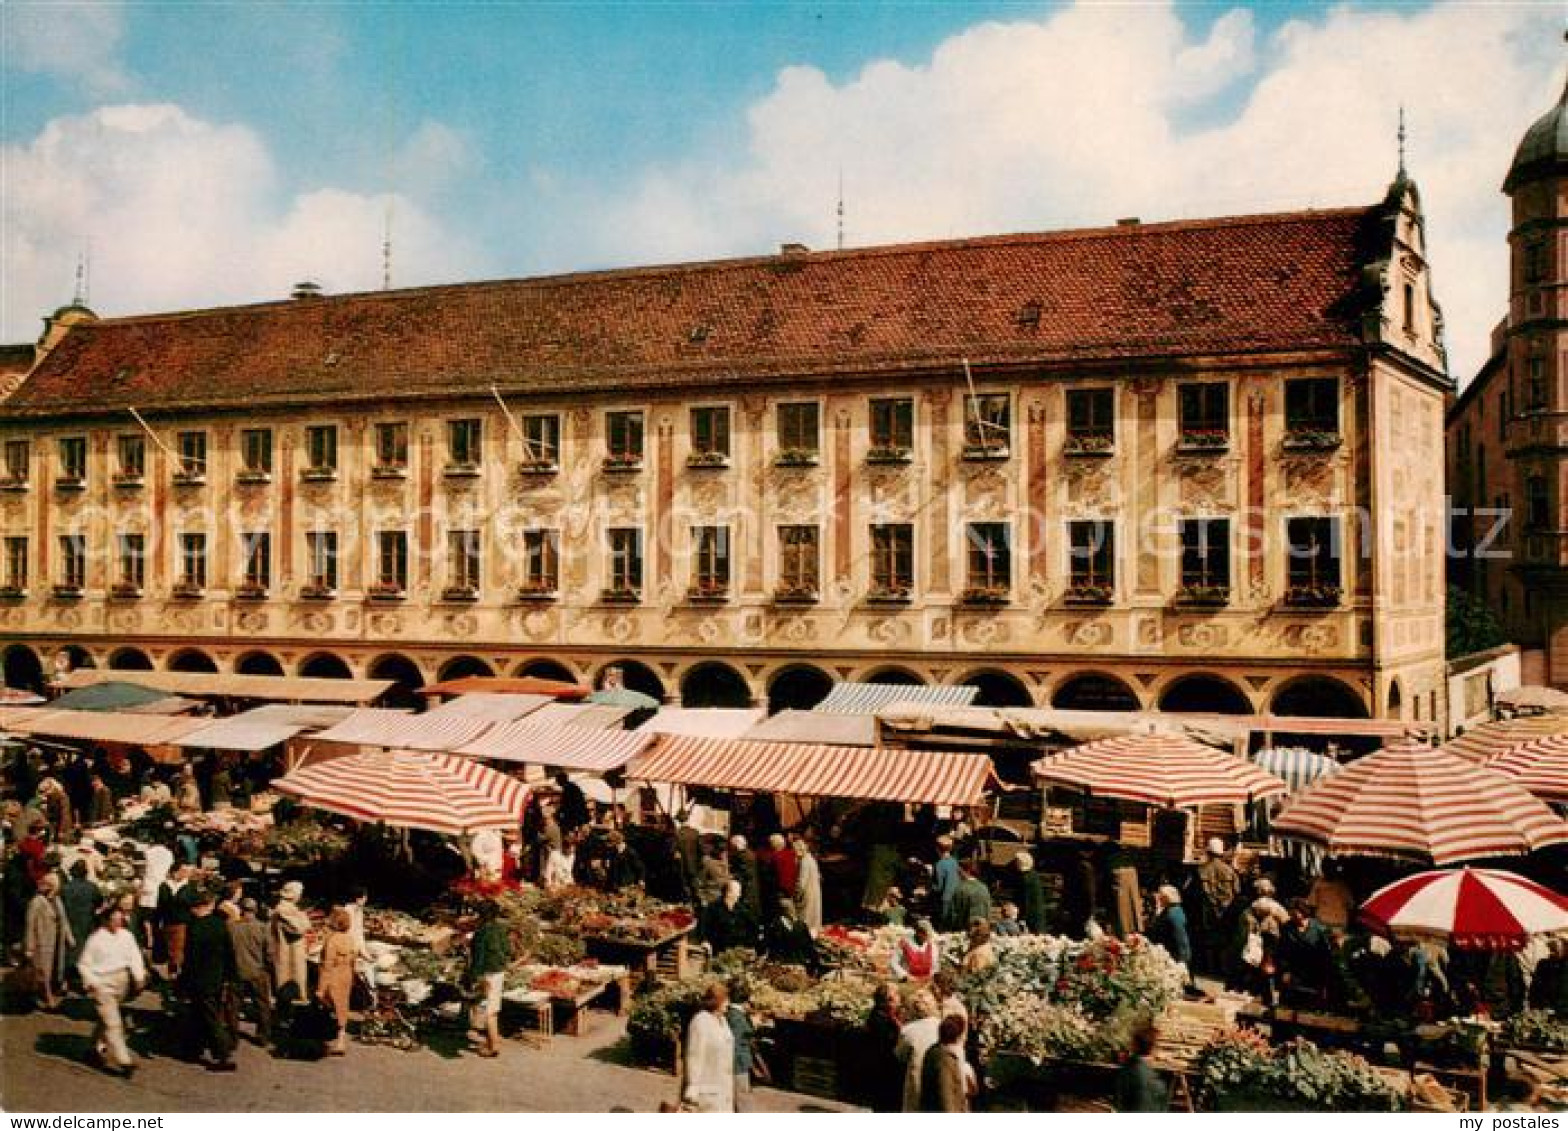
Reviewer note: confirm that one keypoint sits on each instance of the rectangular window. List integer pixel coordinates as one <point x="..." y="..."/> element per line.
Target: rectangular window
<point x="711" y="567"/>
<point x="193" y="456"/>
<point x="1535" y="384"/>
<point x="391" y="561"/>
<point x="623" y="438"/>
<point x="18" y="454"/>
<point x="541" y="561"/>
<point x="463" y="444"/>
<point x="892" y="560"/>
<point x="16" y="564"/>
<point x="1203" y="414"/>
<point x="321" y="552"/>
<point x="799" y="432"/>
<point x="462" y="556"/>
<point x="1312" y="408"/>
<point x="1410" y="308"/>
<point x="193" y="562"/>
<point x="892" y="426"/>
<point x="1092" y="557"/>
<point x="256" y="452"/>
<point x="73" y="458"/>
<point x="710" y="434"/>
<point x="798" y="561"/>
<point x="1537" y="503"/>
<point x="542" y="440"/>
<point x="391" y="446"/>
<point x="133" y="561"/>
<point x="257" y="548"/>
<point x="990" y="560"/>
<point x="625" y="562"/>
<point x="73" y="561"/>
<point x="1314" y="548"/>
<point x="1091" y="414"/>
<point x="1535" y="262"/>
<point x="130" y="457"/>
<point x="1502" y="415"/>
<point x="1205" y="556"/>
<point x="987" y="424"/>
<point x="321" y="449"/>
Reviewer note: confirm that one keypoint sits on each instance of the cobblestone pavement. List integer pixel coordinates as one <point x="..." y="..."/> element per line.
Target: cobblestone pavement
<point x="44" y="1067"/>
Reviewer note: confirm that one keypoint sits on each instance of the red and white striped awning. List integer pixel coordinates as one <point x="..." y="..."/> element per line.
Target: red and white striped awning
<point x="589" y="749"/>
<point x="1486" y="741"/>
<point x="1540" y="767"/>
<point x="1475" y="909"/>
<point x="410" y="789"/>
<point x="1159" y="769"/>
<point x="1414" y="802"/>
<point x="440" y="729"/>
<point x="933" y="777"/>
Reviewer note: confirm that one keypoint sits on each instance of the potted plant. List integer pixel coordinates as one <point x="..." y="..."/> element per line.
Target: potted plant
<point x="1313" y="596"/>
<point x="796" y="457"/>
<point x="1203" y="594"/>
<point x="460" y="593"/>
<point x="385" y="591"/>
<point x="985" y="595"/>
<point x="1090" y="444"/>
<point x="1312" y="440"/>
<point x="889" y="453"/>
<point x="621" y="595"/>
<point x="1203" y="440"/>
<point x="1089" y="593"/>
<point x="623" y="461"/>
<point x="708" y="460"/>
<point x="787" y="594"/>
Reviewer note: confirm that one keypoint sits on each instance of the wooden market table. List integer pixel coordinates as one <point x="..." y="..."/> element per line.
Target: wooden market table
<point x="670" y="953"/>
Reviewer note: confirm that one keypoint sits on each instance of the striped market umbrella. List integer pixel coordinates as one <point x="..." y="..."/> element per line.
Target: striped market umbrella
<point x="1474" y="908"/>
<point x="1533" y="697"/>
<point x="1159" y="769"/>
<point x="1540" y="766"/>
<point x="1486" y="741"/>
<point x="410" y="790"/>
<point x="1413" y="802"/>
<point x="1296" y="766"/>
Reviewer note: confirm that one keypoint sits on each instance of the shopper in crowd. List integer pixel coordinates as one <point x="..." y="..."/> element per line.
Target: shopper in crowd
<point x="945" y="878"/>
<point x="113" y="972"/>
<point x="882" y="1082"/>
<point x="1260" y="926"/>
<point x="918" y="1035"/>
<point x="944" y="986"/>
<point x="1138" y="1086"/>
<point x="1549" y="985"/>
<point x="253" y="964"/>
<point x="48" y="941"/>
<point x="786" y="939"/>
<point x="891" y="912"/>
<point x="743" y="1029"/>
<point x="205" y="976"/>
<point x="157" y="864"/>
<point x="187" y="794"/>
<point x="572" y="808"/>
<point x="981" y="953"/>
<point x="946" y="1080"/>
<point x="1306" y="957"/>
<point x="726" y="922"/>
<point x="784" y="867"/>
<point x="688" y="853"/>
<point x="289" y="926"/>
<point x="971" y="900"/>
<point x="489" y="955"/>
<point x="1169" y="927"/>
<point x="920" y="957"/>
<point x="335" y="982"/>
<point x="82" y="900"/>
<point x="560" y="866"/>
<point x="709" y="1064"/>
<point x="58" y="811"/>
<point x="743" y="868"/>
<point x="625" y="870"/>
<point x="808" y="886"/>
<point x="713" y="871"/>
<point x="1332" y="898"/>
<point x="1214" y="911"/>
<point x="1126" y="895"/>
<point x="1008" y="925"/>
<point x="100" y="803"/>
<point x="1033" y="912"/>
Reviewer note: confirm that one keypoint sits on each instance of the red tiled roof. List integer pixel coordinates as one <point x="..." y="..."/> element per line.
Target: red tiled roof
<point x="1287" y="281"/>
<point x="15" y="361"/>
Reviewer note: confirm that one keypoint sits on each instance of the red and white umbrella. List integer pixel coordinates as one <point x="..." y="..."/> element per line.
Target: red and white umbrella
<point x="1487" y="740"/>
<point x="1159" y="769"/>
<point x="1413" y="802"/>
<point x="1540" y="766"/>
<point x="411" y="790"/>
<point x="1474" y="908"/>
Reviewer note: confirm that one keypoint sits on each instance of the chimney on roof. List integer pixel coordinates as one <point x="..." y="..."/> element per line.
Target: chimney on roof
<point x="306" y="288"/>
<point x="1128" y="222"/>
<point x="793" y="250"/>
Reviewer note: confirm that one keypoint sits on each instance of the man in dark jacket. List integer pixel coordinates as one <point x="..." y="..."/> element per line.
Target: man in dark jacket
<point x="971" y="901"/>
<point x="1031" y="894"/>
<point x="787" y="940"/>
<point x="253" y="963"/>
<point x="726" y="923"/>
<point x="1549" y="986"/>
<point x="205" y="975"/>
<point x="80" y="897"/>
<point x="743" y="868"/>
<point x="944" y="1084"/>
<point x="625" y="870"/>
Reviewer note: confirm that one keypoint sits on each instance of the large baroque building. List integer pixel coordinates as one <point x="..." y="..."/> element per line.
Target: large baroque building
<point x="1188" y="465"/>
<point x="1508" y="430"/>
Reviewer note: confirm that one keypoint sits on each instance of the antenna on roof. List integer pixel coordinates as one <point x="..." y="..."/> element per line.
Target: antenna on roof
<point x="386" y="248"/>
<point x="1401" y="139"/>
<point x="841" y="208"/>
<point x="77" y="296"/>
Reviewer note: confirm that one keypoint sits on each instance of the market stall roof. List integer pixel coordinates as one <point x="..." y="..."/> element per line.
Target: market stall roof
<point x="1473" y="908"/>
<point x="596" y="716"/>
<point x="1533" y="697"/>
<point x="263" y="727"/>
<point x="1488" y="740"/>
<point x="1411" y="801"/>
<point x="500" y="685"/>
<point x="1159" y="769"/>
<point x="809" y="726"/>
<point x="411" y="789"/>
<point x="105" y="726"/>
<point x="569" y="747"/>
<point x="444" y="728"/>
<point x="222" y="685"/>
<point x="933" y="777"/>
<point x="1540" y="766"/>
<point x="118" y="695"/>
<point x="1296" y="767"/>
<point x="868" y="698"/>
<point x="703" y="722"/>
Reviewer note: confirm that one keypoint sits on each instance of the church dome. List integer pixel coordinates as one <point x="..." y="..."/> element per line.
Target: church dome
<point x="1544" y="150"/>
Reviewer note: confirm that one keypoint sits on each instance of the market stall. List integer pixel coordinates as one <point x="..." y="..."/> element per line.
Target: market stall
<point x="1486" y="741"/>
<point x="226" y="685"/>
<point x="440" y="729"/>
<point x="1540" y="766"/>
<point x="410" y="789"/>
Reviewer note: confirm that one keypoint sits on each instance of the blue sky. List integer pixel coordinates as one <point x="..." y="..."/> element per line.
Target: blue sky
<point x="210" y="153"/>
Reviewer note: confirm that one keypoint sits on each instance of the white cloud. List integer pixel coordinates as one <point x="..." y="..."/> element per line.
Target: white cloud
<point x="1082" y="117"/>
<point x="182" y="212"/>
<point x="78" y="42"/>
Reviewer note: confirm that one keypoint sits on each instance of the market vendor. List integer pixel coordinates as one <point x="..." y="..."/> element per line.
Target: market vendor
<point x="1549" y="985"/>
<point x="787" y="940"/>
<point x="726" y="922"/>
<point x="918" y="958"/>
<point x="625" y="869"/>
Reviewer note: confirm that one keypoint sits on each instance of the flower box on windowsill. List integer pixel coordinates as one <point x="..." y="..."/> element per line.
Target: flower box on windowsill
<point x="12" y="484"/>
<point x="622" y="463"/>
<point x="1090" y="444"/>
<point x="383" y="592"/>
<point x="70" y="483"/>
<point x="190" y="479"/>
<point x="316" y="591"/>
<point x="68" y="592"/>
<point x="462" y="471"/>
<point x="541" y="591"/>
<point x="621" y="596"/>
<point x="251" y="477"/>
<point x="1203" y="596"/>
<point x="889" y="454"/>
<point x="389" y="471"/>
<point x="796" y="595"/>
<point x="129" y="480"/>
<point x="889" y="595"/>
<point x="1197" y="441"/>
<point x="12" y="592"/>
<point x="986" y="596"/>
<point x="539" y="467"/>
<point x="985" y="453"/>
<point x="1089" y="594"/>
<point x="708" y="461"/>
<point x="1312" y="440"/>
<point x="708" y="594"/>
<point x="1313" y="596"/>
<point x="796" y="457"/>
<point x="249" y="591"/>
<point x="124" y="591"/>
<point x="460" y="593"/>
<point x="319" y="474"/>
<point x="185" y="591"/>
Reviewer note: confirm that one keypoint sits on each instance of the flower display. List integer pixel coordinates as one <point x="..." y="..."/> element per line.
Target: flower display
<point x="1240" y="1071"/>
